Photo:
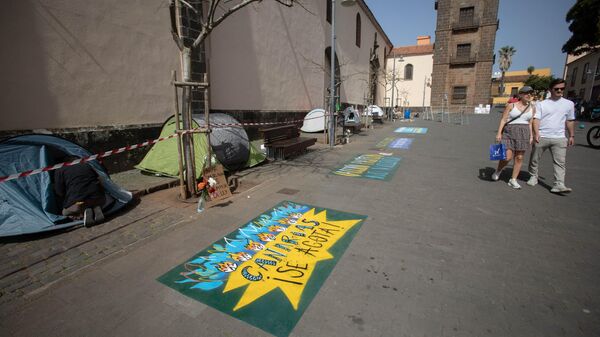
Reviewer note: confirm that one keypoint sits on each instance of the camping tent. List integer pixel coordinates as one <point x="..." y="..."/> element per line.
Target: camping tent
<point x="375" y="111"/>
<point x="28" y="204"/>
<point x="314" y="121"/>
<point x="229" y="144"/>
<point x="351" y="116"/>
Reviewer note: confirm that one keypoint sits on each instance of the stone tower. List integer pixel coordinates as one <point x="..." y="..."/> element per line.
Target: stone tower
<point x="464" y="52"/>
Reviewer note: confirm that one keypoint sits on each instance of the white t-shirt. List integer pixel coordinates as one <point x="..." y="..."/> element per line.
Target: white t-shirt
<point x="553" y="115"/>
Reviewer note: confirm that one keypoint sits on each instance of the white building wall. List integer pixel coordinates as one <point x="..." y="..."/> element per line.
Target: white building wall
<point x="575" y="89"/>
<point x="272" y="58"/>
<point x="409" y="93"/>
<point x="72" y="64"/>
<point x="108" y="63"/>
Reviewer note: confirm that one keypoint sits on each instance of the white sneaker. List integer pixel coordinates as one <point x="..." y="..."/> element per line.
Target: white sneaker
<point x="533" y="180"/>
<point x="514" y="184"/>
<point x="495" y="176"/>
<point x="560" y="188"/>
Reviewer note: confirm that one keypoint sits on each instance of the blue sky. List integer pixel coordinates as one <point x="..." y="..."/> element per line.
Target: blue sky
<point x="536" y="28"/>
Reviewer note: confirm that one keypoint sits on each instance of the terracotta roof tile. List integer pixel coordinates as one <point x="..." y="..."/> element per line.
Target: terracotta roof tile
<point x="414" y="50"/>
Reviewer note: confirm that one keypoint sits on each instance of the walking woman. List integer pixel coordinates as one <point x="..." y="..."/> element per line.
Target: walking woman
<point x="515" y="133"/>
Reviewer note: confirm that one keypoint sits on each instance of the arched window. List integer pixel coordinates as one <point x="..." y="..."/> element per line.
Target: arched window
<point x="358" y="30"/>
<point x="408" y="72"/>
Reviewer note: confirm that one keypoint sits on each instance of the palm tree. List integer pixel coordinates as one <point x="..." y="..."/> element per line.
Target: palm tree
<point x="506" y="53"/>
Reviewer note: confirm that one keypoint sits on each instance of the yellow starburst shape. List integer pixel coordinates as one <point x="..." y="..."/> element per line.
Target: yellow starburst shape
<point x="288" y="261"/>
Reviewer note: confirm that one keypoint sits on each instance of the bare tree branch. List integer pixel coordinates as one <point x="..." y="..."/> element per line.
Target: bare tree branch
<point x="210" y="23"/>
<point x="189" y="6"/>
<point x="287" y="3"/>
<point x="299" y="3"/>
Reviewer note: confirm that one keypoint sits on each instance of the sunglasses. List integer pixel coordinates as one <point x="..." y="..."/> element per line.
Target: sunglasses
<point x="558" y="89"/>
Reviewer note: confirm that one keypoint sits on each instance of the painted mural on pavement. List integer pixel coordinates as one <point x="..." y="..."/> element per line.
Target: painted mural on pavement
<point x="370" y="166"/>
<point x="405" y="129"/>
<point x="401" y="143"/>
<point x="384" y="142"/>
<point x="267" y="272"/>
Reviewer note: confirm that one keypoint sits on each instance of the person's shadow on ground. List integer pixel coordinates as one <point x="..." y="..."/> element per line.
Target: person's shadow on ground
<point x="485" y="174"/>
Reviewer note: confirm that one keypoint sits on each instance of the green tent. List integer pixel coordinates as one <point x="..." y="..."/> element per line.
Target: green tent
<point x="162" y="157"/>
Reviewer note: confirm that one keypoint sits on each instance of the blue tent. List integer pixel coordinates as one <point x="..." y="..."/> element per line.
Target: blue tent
<point x="28" y="204"/>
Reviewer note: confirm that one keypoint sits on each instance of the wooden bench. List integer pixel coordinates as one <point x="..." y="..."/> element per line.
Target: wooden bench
<point x="283" y="141"/>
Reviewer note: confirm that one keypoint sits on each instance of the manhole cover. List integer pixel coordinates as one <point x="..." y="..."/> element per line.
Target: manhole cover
<point x="288" y="191"/>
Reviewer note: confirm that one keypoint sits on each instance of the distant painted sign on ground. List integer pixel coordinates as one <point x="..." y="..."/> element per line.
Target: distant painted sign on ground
<point x="385" y="142"/>
<point x="370" y="166"/>
<point x="411" y="130"/>
<point x="401" y="143"/>
<point x="267" y="272"/>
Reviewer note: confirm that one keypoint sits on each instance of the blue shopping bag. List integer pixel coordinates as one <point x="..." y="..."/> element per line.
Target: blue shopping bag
<point x="497" y="152"/>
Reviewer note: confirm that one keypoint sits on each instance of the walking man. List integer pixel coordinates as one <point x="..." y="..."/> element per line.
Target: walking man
<point x="549" y="123"/>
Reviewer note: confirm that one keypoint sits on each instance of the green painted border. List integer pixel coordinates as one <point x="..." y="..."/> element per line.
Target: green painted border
<point x="388" y="177"/>
<point x="275" y="314"/>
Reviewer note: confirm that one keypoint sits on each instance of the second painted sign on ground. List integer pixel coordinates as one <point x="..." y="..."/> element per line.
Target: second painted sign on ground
<point x="405" y="129"/>
<point x="370" y="166"/>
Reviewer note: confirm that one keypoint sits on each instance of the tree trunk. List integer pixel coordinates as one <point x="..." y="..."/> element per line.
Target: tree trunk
<point x="188" y="138"/>
<point x="502" y="84"/>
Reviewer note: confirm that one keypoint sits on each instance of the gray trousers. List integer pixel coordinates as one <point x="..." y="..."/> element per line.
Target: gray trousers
<point x="558" y="150"/>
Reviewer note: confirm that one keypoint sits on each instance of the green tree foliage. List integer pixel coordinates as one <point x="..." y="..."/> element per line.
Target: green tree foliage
<point x="506" y="53"/>
<point x="584" y="23"/>
<point x="530" y="70"/>
<point x="539" y="83"/>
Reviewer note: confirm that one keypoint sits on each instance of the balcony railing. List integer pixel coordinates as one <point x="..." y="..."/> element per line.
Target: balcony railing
<point x="463" y="59"/>
<point x="465" y="24"/>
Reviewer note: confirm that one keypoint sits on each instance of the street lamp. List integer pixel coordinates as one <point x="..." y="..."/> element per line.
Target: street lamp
<point x="345" y="3"/>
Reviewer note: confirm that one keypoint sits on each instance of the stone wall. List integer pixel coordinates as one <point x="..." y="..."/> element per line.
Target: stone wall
<point x="475" y="75"/>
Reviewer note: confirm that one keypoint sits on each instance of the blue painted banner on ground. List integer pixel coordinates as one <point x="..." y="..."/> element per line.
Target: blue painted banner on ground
<point x="401" y="143"/>
<point x="384" y="142"/>
<point x="370" y="166"/>
<point x="405" y="129"/>
<point x="267" y="272"/>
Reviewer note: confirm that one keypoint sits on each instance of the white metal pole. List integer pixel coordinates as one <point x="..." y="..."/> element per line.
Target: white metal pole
<point x="424" y="88"/>
<point x="393" y="83"/>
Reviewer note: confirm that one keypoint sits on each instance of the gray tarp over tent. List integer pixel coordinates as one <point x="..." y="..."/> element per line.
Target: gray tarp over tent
<point x="28" y="204"/>
<point x="230" y="146"/>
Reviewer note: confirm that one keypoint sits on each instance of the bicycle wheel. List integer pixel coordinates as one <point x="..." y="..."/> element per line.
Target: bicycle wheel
<point x="593" y="137"/>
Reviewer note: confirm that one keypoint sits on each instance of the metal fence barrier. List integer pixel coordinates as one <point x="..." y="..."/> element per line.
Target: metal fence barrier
<point x="449" y="114"/>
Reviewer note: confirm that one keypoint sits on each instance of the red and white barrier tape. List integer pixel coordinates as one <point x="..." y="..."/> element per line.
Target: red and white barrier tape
<point x="84" y="159"/>
<point x="128" y="148"/>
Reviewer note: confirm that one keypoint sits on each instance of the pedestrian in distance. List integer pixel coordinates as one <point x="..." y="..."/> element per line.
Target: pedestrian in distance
<point x="513" y="99"/>
<point x="515" y="132"/>
<point x="554" y="113"/>
<point x="81" y="191"/>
